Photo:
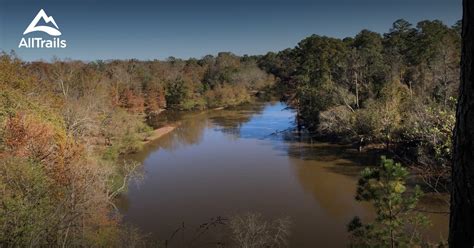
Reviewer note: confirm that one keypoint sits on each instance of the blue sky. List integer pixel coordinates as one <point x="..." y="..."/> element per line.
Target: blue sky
<point x="143" y="29"/>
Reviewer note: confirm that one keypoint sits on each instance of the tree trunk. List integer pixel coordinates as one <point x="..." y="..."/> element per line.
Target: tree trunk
<point x="357" y="90"/>
<point x="461" y="226"/>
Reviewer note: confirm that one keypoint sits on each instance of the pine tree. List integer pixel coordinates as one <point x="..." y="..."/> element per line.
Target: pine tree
<point x="396" y="223"/>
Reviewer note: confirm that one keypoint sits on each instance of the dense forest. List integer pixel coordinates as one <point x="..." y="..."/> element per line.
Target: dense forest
<point x="397" y="90"/>
<point x="65" y="124"/>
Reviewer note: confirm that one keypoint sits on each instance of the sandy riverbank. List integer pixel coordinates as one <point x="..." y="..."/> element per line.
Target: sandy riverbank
<point x="159" y="132"/>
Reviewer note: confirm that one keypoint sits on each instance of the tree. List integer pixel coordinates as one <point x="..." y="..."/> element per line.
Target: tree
<point x="368" y="44"/>
<point x="354" y="70"/>
<point x="176" y="92"/>
<point x="395" y="224"/>
<point x="461" y="226"/>
<point x="321" y="61"/>
<point x="397" y="42"/>
<point x="252" y="231"/>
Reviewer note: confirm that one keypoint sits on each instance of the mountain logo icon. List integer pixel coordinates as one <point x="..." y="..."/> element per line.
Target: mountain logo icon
<point x="47" y="29"/>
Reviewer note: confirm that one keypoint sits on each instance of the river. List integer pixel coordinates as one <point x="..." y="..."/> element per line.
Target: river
<point x="230" y="162"/>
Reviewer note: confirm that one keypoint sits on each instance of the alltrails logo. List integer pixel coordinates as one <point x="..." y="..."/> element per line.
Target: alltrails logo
<point x="38" y="42"/>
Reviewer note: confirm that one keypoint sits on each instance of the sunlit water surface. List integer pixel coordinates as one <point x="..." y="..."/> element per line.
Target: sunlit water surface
<point x="230" y="162"/>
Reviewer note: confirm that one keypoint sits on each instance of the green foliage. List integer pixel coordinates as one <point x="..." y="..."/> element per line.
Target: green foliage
<point x="432" y="126"/>
<point x="383" y="87"/>
<point x="13" y="102"/>
<point x="26" y="207"/>
<point x="320" y="60"/>
<point x="176" y="92"/>
<point x="224" y="96"/>
<point x="313" y="100"/>
<point x="226" y="80"/>
<point x="396" y="223"/>
<point x="128" y="143"/>
<point x="111" y="153"/>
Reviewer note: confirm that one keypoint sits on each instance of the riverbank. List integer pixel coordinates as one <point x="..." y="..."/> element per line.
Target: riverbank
<point x="159" y="132"/>
<point x="169" y="127"/>
<point x="433" y="179"/>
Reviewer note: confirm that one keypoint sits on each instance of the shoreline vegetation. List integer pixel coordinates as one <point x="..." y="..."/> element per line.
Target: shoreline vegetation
<point x="396" y="91"/>
<point x="65" y="123"/>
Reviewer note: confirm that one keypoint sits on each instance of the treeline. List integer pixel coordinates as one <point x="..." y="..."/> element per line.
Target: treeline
<point x="65" y="124"/>
<point x="397" y="89"/>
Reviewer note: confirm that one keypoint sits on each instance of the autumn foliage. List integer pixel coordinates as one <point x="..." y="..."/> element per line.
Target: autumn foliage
<point x="65" y="124"/>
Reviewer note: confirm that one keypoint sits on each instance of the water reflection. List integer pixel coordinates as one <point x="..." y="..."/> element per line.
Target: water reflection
<point x="224" y="162"/>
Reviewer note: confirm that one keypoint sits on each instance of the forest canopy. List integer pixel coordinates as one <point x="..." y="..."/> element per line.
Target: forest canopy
<point x="65" y="125"/>
<point x="398" y="88"/>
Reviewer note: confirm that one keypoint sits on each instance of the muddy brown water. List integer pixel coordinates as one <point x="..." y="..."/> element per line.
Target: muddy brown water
<point x="230" y="162"/>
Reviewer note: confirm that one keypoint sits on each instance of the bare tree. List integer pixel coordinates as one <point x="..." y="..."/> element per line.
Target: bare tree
<point x="252" y="231"/>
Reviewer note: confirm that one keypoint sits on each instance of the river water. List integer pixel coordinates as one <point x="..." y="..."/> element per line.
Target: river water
<point x="231" y="162"/>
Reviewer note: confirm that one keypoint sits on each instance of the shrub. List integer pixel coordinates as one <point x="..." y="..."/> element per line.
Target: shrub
<point x="252" y="231"/>
<point x="225" y="95"/>
<point x="337" y="121"/>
